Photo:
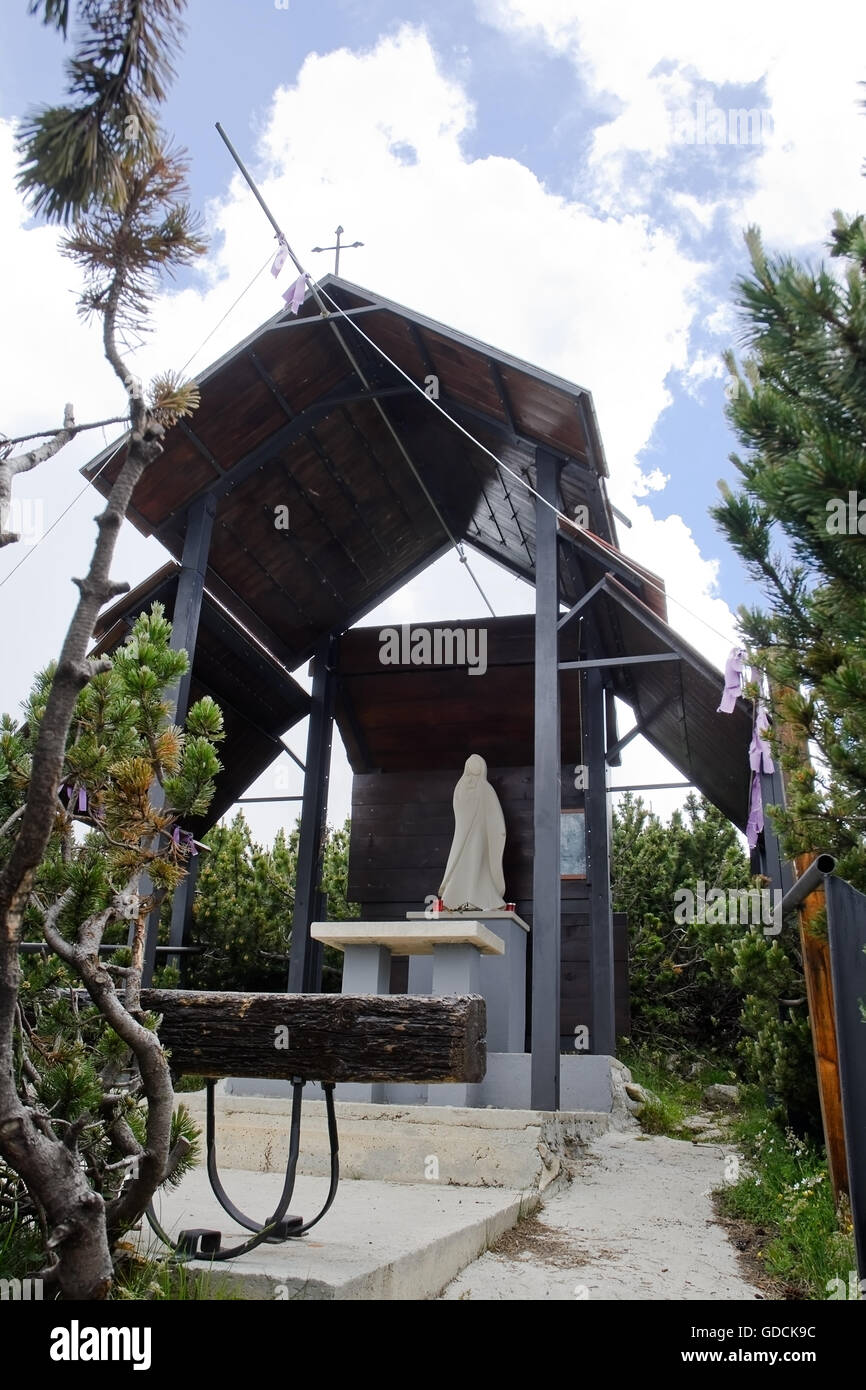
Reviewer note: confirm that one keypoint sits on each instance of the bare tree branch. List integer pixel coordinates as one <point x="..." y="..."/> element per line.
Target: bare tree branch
<point x="76" y="429"/>
<point x="22" y="463"/>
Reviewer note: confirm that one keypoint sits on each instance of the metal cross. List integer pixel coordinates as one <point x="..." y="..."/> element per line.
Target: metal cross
<point x="337" y="248"/>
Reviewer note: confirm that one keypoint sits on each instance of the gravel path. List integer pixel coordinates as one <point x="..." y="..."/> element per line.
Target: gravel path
<point x="636" y="1222"/>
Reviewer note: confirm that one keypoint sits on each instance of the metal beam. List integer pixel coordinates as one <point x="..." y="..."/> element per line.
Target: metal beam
<point x="292" y="755"/>
<point x="184" y="634"/>
<point x="190" y="593"/>
<point x="641" y="727"/>
<point x="600" y="661"/>
<point x="603" y="1027"/>
<point x="846" y="929"/>
<point x="303" y="957"/>
<point x="650" y="787"/>
<point x="774" y="866"/>
<point x="255" y="800"/>
<point x="310" y="320"/>
<point x="200" y="446"/>
<point x="547" y="794"/>
<point x="581" y="603"/>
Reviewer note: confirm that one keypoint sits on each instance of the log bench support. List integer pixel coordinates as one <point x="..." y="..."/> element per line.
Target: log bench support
<point x="332" y="1037"/>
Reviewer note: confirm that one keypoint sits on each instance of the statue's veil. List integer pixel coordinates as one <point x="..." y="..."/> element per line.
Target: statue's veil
<point x="479" y="835"/>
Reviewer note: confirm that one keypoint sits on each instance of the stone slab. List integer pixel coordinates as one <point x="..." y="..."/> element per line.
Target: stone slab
<point x="409" y="938"/>
<point x="518" y="1149"/>
<point x="379" y="1241"/>
<point x="497" y="915"/>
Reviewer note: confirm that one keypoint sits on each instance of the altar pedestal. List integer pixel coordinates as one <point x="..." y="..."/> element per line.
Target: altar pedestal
<point x="457" y="947"/>
<point x="502" y="978"/>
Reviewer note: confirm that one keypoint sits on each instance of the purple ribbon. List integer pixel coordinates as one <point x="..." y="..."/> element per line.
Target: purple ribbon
<point x="760" y="753"/>
<point x="755" y="823"/>
<point x="733" y="680"/>
<point x="294" y="295"/>
<point x="280" y="258"/>
<point x="183" y="839"/>
<point x="70" y="789"/>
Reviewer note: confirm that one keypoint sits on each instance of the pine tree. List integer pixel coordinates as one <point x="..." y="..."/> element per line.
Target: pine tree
<point x="680" y="981"/>
<point x="80" y="1056"/>
<point x="241" y="913"/>
<point x="244" y="905"/>
<point x="100" y="164"/>
<point x="798" y="520"/>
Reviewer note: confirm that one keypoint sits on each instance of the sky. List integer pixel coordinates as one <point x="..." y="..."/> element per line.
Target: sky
<point x="566" y="179"/>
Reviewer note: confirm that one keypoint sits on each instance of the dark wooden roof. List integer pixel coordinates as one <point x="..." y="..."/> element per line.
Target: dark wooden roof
<point x="285" y="419"/>
<point x="259" y="699"/>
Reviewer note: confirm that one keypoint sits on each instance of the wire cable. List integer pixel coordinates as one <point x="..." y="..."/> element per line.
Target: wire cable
<point x="228" y="311"/>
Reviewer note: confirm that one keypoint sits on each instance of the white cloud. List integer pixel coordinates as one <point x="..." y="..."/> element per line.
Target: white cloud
<point x="657" y="60"/>
<point x="704" y="367"/>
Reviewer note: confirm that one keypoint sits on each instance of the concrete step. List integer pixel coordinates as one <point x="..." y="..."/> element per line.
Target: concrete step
<point x="519" y="1150"/>
<point x="379" y="1241"/>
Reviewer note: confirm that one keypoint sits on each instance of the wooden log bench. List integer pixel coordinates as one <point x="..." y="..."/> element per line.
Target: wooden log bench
<point x="308" y="1037"/>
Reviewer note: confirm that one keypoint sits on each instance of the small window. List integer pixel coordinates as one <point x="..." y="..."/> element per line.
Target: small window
<point x="572" y="844"/>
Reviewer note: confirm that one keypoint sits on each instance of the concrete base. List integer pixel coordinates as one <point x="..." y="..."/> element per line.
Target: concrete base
<point x="378" y="1242"/>
<point x="518" y="1149"/>
<point x="586" y="1083"/>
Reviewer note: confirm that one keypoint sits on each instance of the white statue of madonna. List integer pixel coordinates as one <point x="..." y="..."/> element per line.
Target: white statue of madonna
<point x="473" y="875"/>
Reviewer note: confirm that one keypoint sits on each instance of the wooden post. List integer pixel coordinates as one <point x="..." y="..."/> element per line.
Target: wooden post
<point x="819" y="996"/>
<point x="822" y="1020"/>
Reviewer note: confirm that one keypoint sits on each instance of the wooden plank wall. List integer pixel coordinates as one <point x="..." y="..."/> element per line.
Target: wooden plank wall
<point x="402" y="826"/>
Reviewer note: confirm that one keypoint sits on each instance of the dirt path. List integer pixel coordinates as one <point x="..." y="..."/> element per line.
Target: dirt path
<point x="636" y="1222"/>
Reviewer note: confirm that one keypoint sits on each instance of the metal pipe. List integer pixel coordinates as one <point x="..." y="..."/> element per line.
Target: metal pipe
<point x="31" y="946"/>
<point x="820" y="867"/>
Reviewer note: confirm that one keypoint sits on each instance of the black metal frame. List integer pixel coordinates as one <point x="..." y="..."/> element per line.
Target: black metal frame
<point x="547" y="794"/>
<point x="200" y="1241"/>
<point x="305" y="956"/>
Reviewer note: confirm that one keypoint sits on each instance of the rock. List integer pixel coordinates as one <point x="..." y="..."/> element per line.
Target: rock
<point x="721" y="1097"/>
<point x="623" y="1110"/>
<point x="636" y="1092"/>
<point x="696" y="1123"/>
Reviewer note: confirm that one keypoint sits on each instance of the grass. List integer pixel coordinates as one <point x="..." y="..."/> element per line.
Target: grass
<point x="140" y="1279"/>
<point x="676" y="1095"/>
<point x="21" y="1251"/>
<point x="785" y="1191"/>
